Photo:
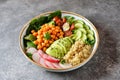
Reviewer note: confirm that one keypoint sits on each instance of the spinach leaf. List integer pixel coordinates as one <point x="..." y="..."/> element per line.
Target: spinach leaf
<point x="62" y="61"/>
<point x="35" y="24"/>
<point x="30" y="44"/>
<point x="70" y="19"/>
<point x="24" y="42"/>
<point x="52" y="15"/>
<point x="30" y="37"/>
<point x="90" y="42"/>
<point x="29" y="55"/>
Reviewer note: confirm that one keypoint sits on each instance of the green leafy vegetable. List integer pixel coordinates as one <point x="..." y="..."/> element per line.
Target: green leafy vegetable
<point x="62" y="61"/>
<point x="47" y="36"/>
<point x="30" y="37"/>
<point x="30" y="44"/>
<point x="52" y="22"/>
<point x="70" y="19"/>
<point x="90" y="42"/>
<point x="52" y="15"/>
<point x="29" y="55"/>
<point x="35" y="24"/>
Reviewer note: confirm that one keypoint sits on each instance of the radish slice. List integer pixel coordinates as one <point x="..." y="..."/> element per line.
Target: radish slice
<point x="49" y="64"/>
<point x="42" y="62"/>
<point x="56" y="65"/>
<point x="65" y="65"/>
<point x="52" y="59"/>
<point x="36" y="57"/>
<point x="40" y="52"/>
<point x="47" y="57"/>
<point x="31" y="50"/>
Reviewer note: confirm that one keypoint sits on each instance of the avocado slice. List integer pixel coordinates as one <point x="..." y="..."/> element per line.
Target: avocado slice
<point x="63" y="48"/>
<point x="66" y="44"/>
<point x="71" y="41"/>
<point x="59" y="48"/>
<point x="52" y="52"/>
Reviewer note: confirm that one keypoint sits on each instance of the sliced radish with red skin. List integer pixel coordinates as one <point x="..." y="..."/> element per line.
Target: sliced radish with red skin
<point x="65" y="65"/>
<point x="36" y="57"/>
<point x="40" y="52"/>
<point x="42" y="62"/>
<point x="31" y="50"/>
<point x="44" y="56"/>
<point x="47" y="57"/>
<point x="49" y="64"/>
<point x="56" y="65"/>
<point x="50" y="58"/>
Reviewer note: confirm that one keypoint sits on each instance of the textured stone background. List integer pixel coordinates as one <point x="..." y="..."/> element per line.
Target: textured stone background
<point x="105" y="15"/>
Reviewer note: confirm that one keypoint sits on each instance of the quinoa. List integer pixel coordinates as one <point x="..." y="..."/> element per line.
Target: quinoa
<point x="77" y="53"/>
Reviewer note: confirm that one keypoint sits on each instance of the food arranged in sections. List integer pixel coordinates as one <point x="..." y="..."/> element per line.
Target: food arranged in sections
<point x="58" y="42"/>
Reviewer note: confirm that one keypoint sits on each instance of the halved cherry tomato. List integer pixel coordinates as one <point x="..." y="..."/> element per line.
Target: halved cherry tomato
<point x="55" y="18"/>
<point x="68" y="33"/>
<point x="64" y="20"/>
<point x="72" y="27"/>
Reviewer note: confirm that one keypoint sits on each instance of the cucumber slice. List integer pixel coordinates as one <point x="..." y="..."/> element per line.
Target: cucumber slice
<point x="78" y="34"/>
<point x="90" y="32"/>
<point x="82" y="30"/>
<point x="84" y="37"/>
<point x="86" y="27"/>
<point x="90" y="37"/>
<point x="78" y="25"/>
<point x="79" y="21"/>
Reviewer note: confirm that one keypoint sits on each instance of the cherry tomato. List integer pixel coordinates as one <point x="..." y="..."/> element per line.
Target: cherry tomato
<point x="55" y="18"/>
<point x="68" y="33"/>
<point x="72" y="27"/>
<point x="64" y="20"/>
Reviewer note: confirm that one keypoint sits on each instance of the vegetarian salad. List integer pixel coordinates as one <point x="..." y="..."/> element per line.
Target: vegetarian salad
<point x="55" y="41"/>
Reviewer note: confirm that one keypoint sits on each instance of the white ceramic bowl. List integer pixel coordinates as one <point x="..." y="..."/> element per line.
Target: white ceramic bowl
<point x="64" y="13"/>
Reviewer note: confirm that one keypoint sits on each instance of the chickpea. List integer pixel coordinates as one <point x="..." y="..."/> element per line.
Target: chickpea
<point x="32" y="31"/>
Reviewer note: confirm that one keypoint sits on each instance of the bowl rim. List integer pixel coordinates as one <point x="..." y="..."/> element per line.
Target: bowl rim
<point x="66" y="69"/>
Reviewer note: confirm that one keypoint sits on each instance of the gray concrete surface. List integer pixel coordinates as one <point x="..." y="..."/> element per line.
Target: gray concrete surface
<point x="105" y="15"/>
